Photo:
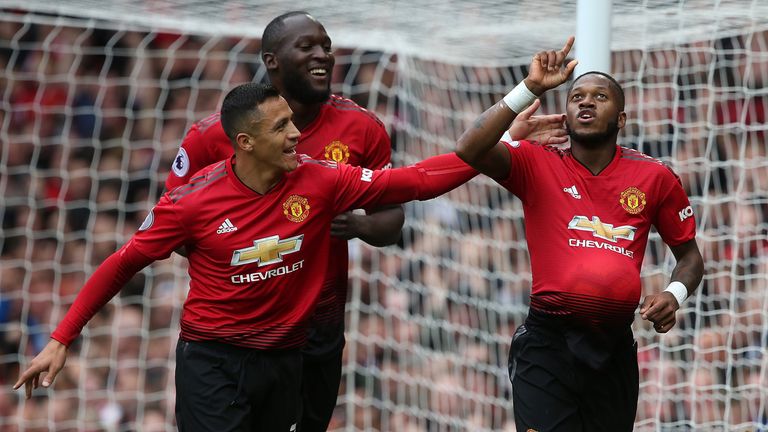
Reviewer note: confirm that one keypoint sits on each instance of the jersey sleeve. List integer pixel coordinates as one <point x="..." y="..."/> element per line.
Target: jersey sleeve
<point x="521" y="157"/>
<point x="379" y="153"/>
<point x="104" y="284"/>
<point x="379" y="150"/>
<point x="360" y="187"/>
<point x="674" y="219"/>
<point x="162" y="231"/>
<point x="159" y="235"/>
<point x="193" y="156"/>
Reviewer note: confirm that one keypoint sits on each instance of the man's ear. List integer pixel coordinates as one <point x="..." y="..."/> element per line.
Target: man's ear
<point x="270" y="60"/>
<point x="622" y="119"/>
<point x="244" y="141"/>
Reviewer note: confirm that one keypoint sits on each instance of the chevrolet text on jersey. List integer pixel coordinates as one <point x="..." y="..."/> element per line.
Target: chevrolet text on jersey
<point x="267" y="274"/>
<point x="604" y="231"/>
<point x="600" y="245"/>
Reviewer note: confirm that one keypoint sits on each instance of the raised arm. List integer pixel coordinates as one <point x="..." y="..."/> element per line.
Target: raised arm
<point x="479" y="145"/>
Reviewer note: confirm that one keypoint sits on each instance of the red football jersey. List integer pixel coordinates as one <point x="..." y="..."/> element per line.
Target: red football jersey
<point x="343" y="132"/>
<point x="587" y="234"/>
<point x="256" y="264"/>
<point x="204" y="144"/>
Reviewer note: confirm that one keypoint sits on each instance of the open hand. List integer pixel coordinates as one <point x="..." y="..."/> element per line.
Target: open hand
<point x="547" y="70"/>
<point x="544" y="129"/>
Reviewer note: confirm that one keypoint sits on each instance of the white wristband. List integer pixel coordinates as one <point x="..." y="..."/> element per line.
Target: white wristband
<point x="679" y="291"/>
<point x="519" y="98"/>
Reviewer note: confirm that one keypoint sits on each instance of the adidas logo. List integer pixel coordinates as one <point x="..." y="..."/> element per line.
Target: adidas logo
<point x="226" y="227"/>
<point x="572" y="190"/>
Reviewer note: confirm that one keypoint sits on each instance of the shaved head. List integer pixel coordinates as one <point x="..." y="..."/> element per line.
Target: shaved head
<point x="272" y="38"/>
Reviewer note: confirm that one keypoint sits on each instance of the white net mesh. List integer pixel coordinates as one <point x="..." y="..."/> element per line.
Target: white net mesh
<point x="96" y="98"/>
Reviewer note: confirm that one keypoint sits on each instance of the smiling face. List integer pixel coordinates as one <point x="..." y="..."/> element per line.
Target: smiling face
<point x="271" y="137"/>
<point x="594" y="111"/>
<point x="303" y="60"/>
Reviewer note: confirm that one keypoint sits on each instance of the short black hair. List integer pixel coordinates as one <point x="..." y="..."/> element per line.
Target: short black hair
<point x="240" y="103"/>
<point x="273" y="32"/>
<point x="615" y="84"/>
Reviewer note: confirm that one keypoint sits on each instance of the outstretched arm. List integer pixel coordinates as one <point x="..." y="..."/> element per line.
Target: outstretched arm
<point x="477" y="149"/>
<point x="479" y="145"/>
<point x="364" y="188"/>
<point x="105" y="282"/>
<point x="660" y="308"/>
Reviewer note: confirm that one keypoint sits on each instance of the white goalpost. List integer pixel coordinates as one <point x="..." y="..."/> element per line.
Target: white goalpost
<point x="593" y="31"/>
<point x="96" y="97"/>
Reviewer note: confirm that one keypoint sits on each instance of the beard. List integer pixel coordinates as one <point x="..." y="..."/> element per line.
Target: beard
<point x="594" y="139"/>
<point x="300" y="89"/>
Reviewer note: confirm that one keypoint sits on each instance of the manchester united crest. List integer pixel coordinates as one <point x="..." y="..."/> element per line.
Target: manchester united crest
<point x="337" y="151"/>
<point x="296" y="208"/>
<point x="633" y="200"/>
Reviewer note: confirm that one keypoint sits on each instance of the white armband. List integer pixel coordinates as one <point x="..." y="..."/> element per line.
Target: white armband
<point x="519" y="98"/>
<point x="678" y="290"/>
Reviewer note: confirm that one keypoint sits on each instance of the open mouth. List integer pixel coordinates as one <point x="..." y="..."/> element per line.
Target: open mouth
<point x="319" y="72"/>
<point x="290" y="151"/>
<point x="586" y="116"/>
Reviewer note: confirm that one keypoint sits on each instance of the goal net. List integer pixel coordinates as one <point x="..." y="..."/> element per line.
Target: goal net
<point x="96" y="98"/>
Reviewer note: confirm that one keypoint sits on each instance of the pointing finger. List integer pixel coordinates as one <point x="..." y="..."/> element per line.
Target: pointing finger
<point x="27" y="376"/>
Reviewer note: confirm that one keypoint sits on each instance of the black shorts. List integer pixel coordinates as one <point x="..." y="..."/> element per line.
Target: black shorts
<point x="221" y="387"/>
<point x="553" y="390"/>
<point x="320" y="387"/>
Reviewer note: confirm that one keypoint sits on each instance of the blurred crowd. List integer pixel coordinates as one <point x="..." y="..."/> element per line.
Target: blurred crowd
<point x="92" y="119"/>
